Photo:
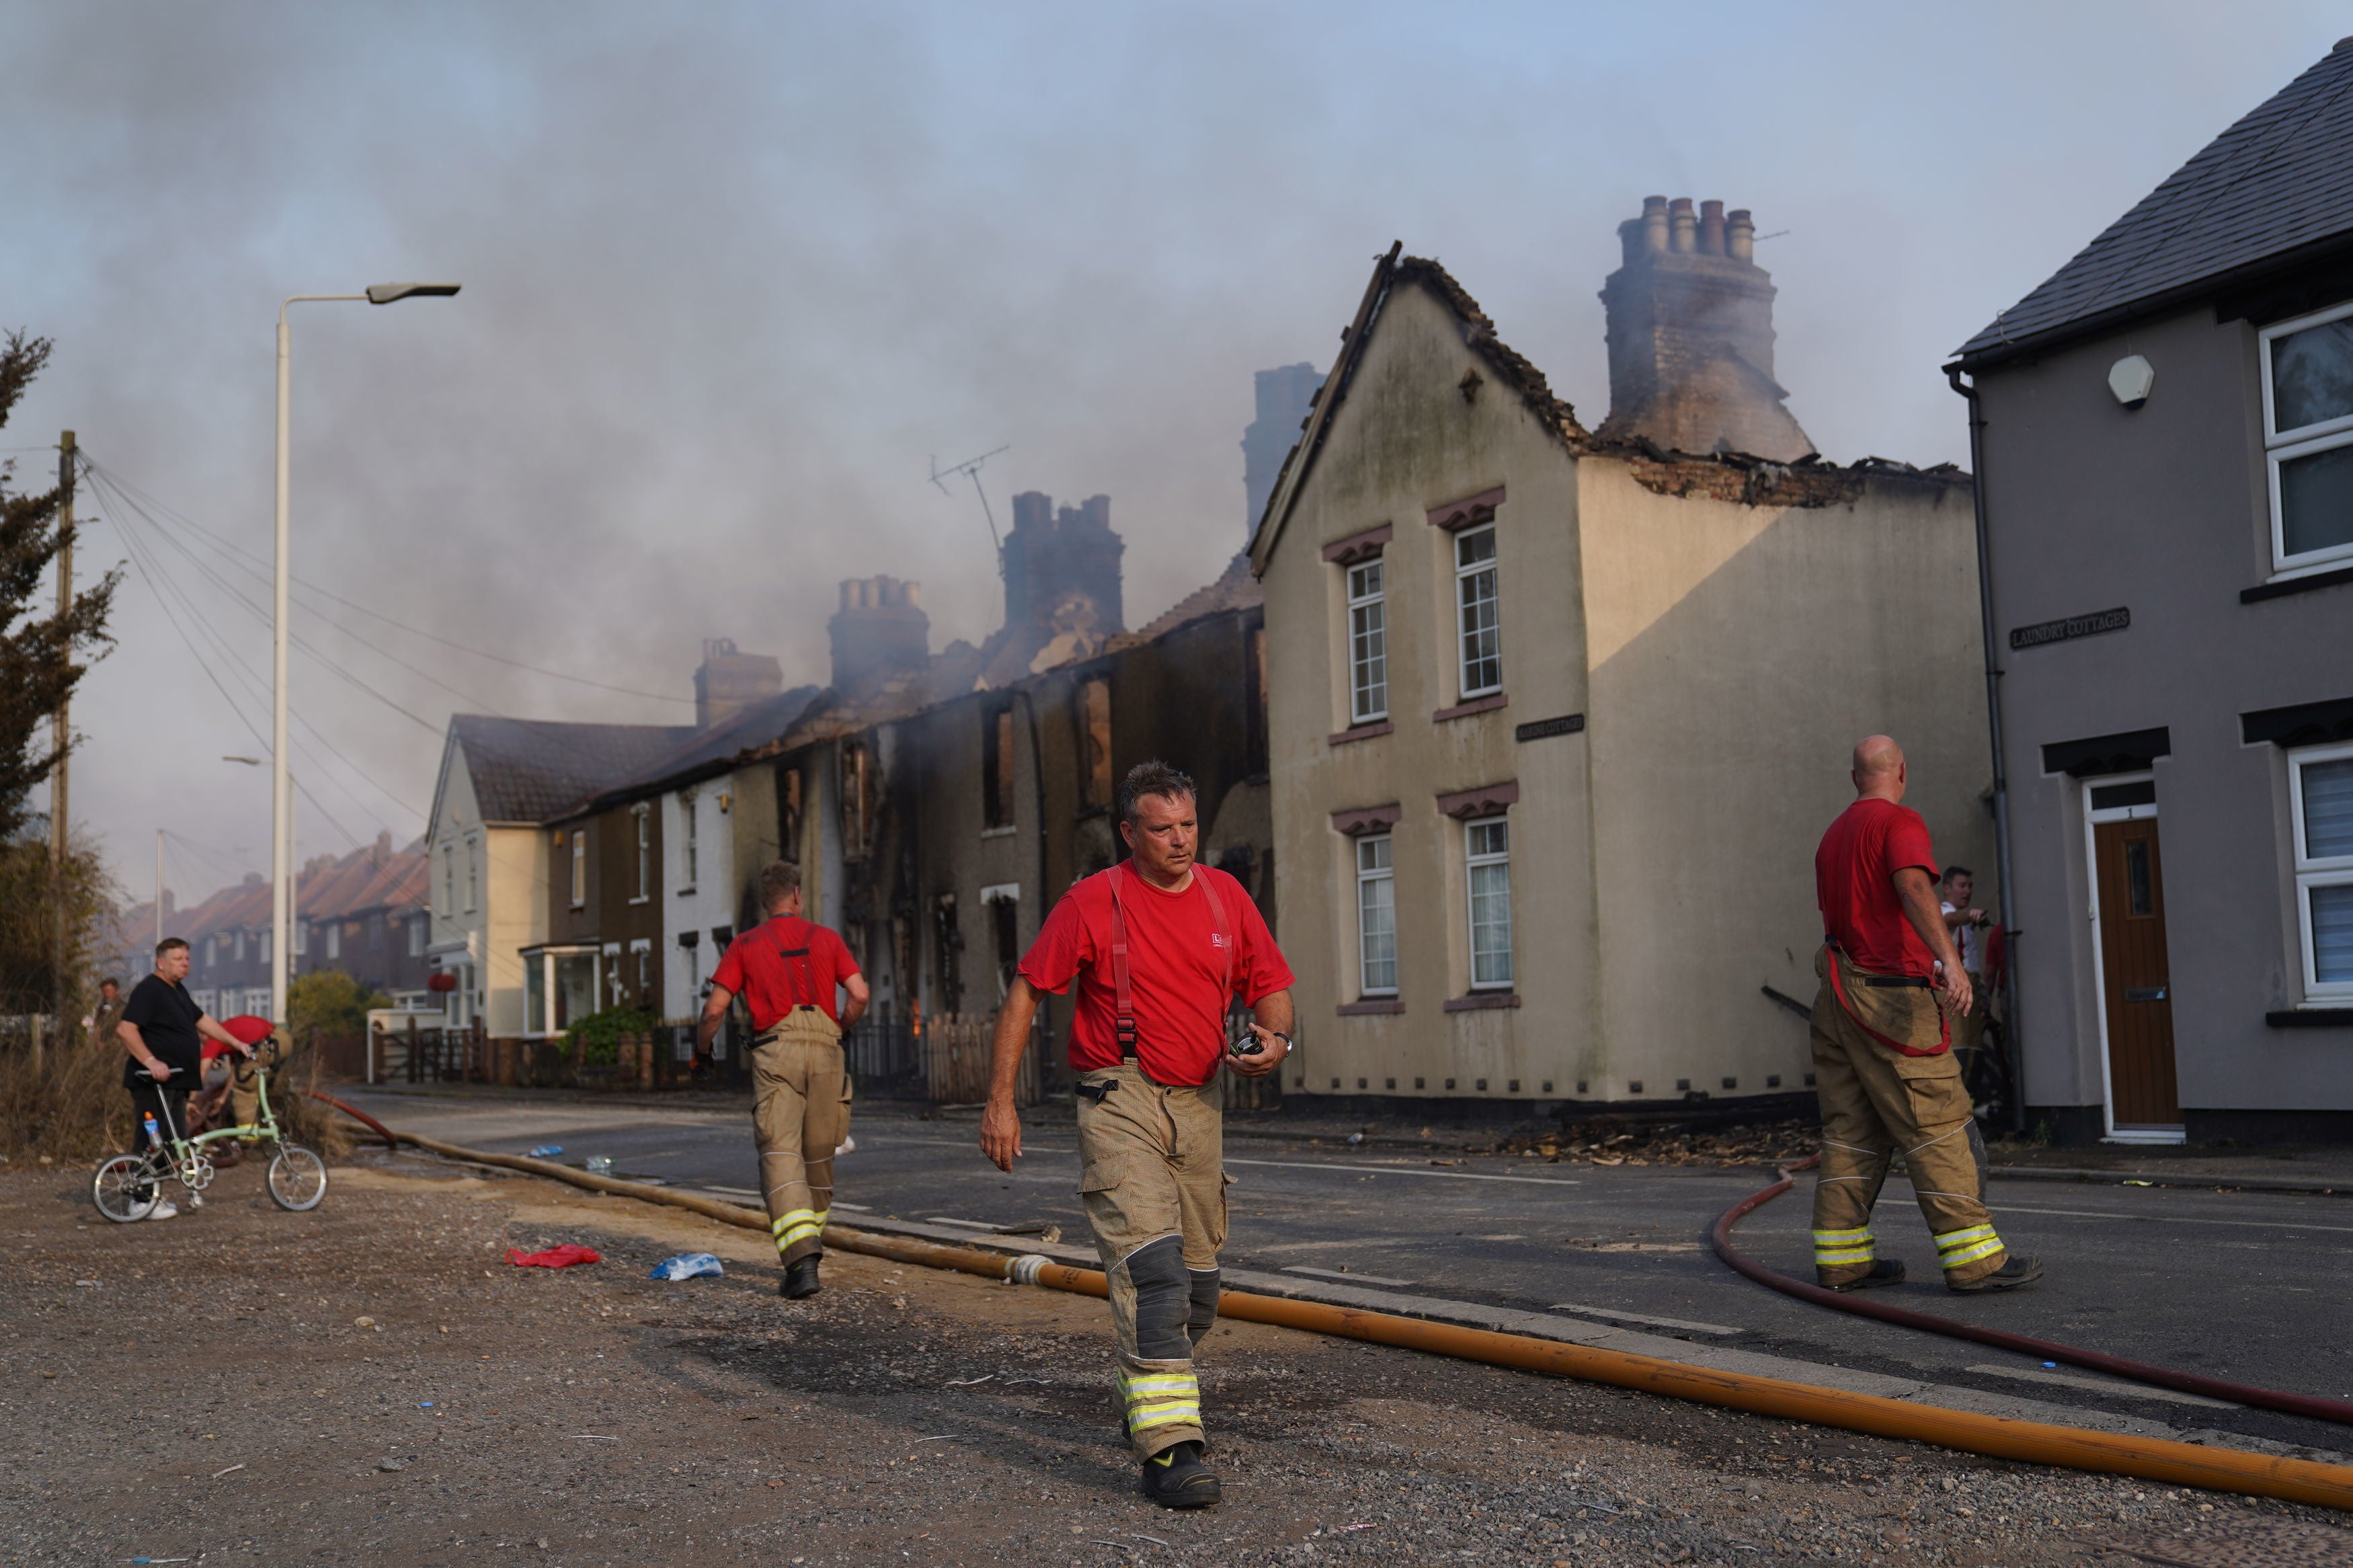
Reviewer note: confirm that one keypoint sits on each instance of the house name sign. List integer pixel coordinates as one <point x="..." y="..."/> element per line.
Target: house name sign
<point x="2074" y="627"/>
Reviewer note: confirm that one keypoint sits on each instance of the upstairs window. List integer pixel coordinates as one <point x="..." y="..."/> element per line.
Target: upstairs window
<point x="334" y="940"/>
<point x="643" y="812"/>
<point x="1477" y="623"/>
<point x="1488" y="854"/>
<point x="996" y="767"/>
<point x="2308" y="366"/>
<point x="417" y="938"/>
<point x="449" y="880"/>
<point x="1377" y="971"/>
<point x="1094" y="733"/>
<point x="688" y="851"/>
<point x="473" y="875"/>
<point x="1368" y="644"/>
<point x="2321" y="780"/>
<point x="579" y="868"/>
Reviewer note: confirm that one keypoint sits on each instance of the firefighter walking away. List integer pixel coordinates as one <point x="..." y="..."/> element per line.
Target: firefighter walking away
<point x="1892" y="985"/>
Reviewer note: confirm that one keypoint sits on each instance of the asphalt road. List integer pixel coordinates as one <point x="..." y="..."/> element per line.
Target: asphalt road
<point x="2248" y="1287"/>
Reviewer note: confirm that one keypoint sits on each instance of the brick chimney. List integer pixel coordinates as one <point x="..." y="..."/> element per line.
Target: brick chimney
<point x="1062" y="564"/>
<point x="1691" y="336"/>
<point x="730" y="681"/>
<point x="1284" y="395"/>
<point x="879" y="631"/>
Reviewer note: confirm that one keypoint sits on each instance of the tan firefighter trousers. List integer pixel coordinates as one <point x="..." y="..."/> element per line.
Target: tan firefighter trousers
<point x="1154" y="1182"/>
<point x="800" y="1114"/>
<point x="1878" y="1103"/>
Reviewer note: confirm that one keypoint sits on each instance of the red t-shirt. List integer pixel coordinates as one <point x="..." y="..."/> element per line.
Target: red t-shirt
<point x="1854" y="883"/>
<point x="780" y="965"/>
<point x="1174" y="967"/>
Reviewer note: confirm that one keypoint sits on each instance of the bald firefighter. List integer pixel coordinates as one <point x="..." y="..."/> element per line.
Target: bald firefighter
<point x="789" y="971"/>
<point x="1159" y="947"/>
<point x="1892" y="984"/>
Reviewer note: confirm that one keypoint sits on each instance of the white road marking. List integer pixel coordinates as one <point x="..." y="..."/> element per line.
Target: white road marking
<point x="1613" y="1312"/>
<point x="2101" y="1385"/>
<point x="1344" y="1276"/>
<point x="1403" y="1171"/>
<point x="2181" y="1219"/>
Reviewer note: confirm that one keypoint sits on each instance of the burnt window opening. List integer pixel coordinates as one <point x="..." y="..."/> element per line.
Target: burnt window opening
<point x="1094" y="745"/>
<point x="1254" y="738"/>
<point x="856" y="799"/>
<point x="947" y="938"/>
<point x="996" y="767"/>
<point x="788" y="812"/>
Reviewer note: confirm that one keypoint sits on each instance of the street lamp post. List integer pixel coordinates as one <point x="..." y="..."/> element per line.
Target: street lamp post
<point x="281" y="801"/>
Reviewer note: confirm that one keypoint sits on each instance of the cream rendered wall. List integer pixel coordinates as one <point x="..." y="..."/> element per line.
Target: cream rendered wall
<point x="1737" y="654"/>
<point x="514" y="917"/>
<point x="1406" y="441"/>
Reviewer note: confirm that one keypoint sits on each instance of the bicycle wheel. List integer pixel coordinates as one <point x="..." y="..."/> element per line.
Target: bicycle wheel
<point x="297" y="1178"/>
<point x="124" y="1188"/>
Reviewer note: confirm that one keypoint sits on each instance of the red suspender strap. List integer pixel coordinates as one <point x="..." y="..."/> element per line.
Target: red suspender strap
<point x="809" y="975"/>
<point x="1123" y="999"/>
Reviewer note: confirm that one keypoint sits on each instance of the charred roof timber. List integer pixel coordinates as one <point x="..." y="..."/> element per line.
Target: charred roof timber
<point x="730" y="679"/>
<point x="879" y="630"/>
<point x="1691" y="336"/>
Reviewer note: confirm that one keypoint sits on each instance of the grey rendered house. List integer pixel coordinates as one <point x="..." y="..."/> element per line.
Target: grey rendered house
<point x="2164" y="436"/>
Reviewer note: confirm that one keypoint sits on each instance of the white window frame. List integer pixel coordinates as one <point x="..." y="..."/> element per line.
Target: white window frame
<point x="579" y="868"/>
<point x="643" y="812"/>
<point x="301" y="937"/>
<point x="1475" y="861"/>
<point x="1368" y="699"/>
<point x="335" y="942"/>
<point x="416" y="925"/>
<point x="473" y="873"/>
<point x="449" y="880"/>
<point x="2331" y="871"/>
<point x="690" y="850"/>
<point x="1462" y="631"/>
<point x="2281" y="446"/>
<point x="1366" y="878"/>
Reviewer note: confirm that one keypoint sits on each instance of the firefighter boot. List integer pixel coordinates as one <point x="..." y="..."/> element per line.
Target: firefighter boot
<point x="2014" y="1272"/>
<point x="1884" y="1272"/>
<point x="1176" y="1477"/>
<point x="800" y="1278"/>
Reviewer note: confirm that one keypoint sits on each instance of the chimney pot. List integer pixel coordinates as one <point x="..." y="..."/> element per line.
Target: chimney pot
<point x="1711" y="228"/>
<point x="1685" y="236"/>
<point x="1740" y="236"/>
<point x="1655" y="223"/>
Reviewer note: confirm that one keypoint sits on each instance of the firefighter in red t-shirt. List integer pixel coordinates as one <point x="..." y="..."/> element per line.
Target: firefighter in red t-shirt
<point x="1160" y="947"/>
<point x="1884" y="1064"/>
<point x="787" y="971"/>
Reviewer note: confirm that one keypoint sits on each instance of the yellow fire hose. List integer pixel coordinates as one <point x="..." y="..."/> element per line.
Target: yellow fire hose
<point x="2070" y="1448"/>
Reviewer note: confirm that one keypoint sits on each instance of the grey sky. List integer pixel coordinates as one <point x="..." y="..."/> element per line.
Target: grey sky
<point x="734" y="273"/>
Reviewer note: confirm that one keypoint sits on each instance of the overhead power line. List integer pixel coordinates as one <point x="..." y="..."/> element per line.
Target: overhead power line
<point x="192" y="525"/>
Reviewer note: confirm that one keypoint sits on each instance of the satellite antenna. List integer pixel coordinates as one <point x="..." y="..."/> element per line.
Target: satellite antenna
<point x="972" y="466"/>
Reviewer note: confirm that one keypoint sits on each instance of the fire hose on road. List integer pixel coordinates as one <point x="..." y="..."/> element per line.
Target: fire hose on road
<point x="2176" y="1464"/>
<point x="1720" y="1236"/>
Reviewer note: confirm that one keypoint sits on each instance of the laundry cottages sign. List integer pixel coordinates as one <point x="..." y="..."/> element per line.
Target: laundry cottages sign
<point x="2074" y="627"/>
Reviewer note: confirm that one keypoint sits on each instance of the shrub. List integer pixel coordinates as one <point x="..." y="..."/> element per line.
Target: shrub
<point x="599" y="1034"/>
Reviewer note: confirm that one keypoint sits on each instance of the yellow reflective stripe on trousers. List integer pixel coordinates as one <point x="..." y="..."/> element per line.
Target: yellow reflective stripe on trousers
<point x="1161" y="1399"/>
<point x="1956" y="1248"/>
<point x="796" y="1226"/>
<point x="1833" y="1248"/>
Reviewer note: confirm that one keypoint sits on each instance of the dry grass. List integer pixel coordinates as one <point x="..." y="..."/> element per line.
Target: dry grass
<point x="71" y="1106"/>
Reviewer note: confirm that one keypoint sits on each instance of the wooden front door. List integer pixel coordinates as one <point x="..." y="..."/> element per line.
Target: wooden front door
<point x="2132" y="968"/>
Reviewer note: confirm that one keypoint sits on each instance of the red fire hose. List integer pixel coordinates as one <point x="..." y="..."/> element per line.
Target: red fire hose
<point x="1720" y="1236"/>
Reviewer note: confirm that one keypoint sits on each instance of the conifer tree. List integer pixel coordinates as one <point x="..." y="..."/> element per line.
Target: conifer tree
<point x="37" y="645"/>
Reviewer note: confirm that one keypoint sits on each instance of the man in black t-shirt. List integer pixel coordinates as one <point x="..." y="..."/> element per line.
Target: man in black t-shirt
<point x="164" y="1031"/>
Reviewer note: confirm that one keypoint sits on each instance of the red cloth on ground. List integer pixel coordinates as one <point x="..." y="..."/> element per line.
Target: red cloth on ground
<point x="771" y="984"/>
<point x="1174" y="965"/>
<point x="1854" y="884"/>
<point x="563" y="1257"/>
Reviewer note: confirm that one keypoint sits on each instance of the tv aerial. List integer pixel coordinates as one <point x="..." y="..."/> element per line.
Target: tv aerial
<point x="971" y="469"/>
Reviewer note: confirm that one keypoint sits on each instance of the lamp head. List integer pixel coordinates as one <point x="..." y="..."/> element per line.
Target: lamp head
<point x="386" y="293"/>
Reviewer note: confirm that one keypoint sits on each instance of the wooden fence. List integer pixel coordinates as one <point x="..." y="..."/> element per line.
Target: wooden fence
<point x="956" y="1050"/>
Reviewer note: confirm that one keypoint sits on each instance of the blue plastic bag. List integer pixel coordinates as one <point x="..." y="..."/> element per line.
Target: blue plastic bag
<point x="547" y="1152"/>
<point x="687" y="1265"/>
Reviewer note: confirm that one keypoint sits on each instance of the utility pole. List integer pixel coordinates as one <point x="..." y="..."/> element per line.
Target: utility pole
<point x="60" y="728"/>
